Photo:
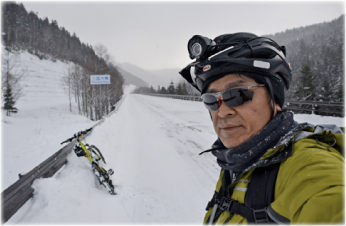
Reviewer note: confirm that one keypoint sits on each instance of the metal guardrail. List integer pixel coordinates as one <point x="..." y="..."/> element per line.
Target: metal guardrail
<point x="16" y="195"/>
<point x="316" y="107"/>
<point x="321" y="103"/>
<point x="174" y="96"/>
<point x="313" y="105"/>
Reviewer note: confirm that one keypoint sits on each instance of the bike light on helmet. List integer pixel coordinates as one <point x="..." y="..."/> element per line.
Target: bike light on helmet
<point x="196" y="49"/>
<point x="200" y="47"/>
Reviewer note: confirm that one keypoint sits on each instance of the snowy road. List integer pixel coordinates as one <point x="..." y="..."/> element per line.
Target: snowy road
<point x="152" y="144"/>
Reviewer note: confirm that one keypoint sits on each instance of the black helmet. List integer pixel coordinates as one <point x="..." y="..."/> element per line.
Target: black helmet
<point x="243" y="53"/>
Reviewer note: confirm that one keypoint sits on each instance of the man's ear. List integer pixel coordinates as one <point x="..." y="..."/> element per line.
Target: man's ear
<point x="277" y="108"/>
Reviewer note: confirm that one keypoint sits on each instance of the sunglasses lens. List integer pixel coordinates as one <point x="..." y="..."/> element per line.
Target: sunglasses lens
<point x="232" y="98"/>
<point x="237" y="97"/>
<point x="210" y="102"/>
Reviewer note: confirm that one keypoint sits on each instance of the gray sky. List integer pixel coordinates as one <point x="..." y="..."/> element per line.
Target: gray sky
<point x="154" y="35"/>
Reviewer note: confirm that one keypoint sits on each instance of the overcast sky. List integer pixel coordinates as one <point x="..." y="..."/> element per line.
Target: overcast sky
<point x="154" y="35"/>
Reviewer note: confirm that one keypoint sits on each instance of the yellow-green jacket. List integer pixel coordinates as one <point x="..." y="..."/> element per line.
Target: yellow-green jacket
<point x="310" y="182"/>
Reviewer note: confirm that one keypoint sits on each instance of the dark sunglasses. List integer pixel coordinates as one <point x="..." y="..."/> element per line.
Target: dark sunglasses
<point x="232" y="97"/>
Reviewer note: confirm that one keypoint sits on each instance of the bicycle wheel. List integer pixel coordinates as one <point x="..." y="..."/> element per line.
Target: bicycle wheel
<point x="98" y="154"/>
<point x="103" y="178"/>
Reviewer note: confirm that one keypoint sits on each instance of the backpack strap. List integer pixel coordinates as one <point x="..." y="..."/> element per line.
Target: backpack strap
<point x="260" y="182"/>
<point x="218" y="196"/>
<point x="260" y="193"/>
<point x="259" y="196"/>
<point x="226" y="181"/>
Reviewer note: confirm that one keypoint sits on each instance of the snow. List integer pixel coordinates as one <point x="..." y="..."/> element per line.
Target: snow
<point x="42" y="122"/>
<point x="151" y="143"/>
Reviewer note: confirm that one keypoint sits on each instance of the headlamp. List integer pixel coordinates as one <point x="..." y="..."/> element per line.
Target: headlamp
<point x="200" y="47"/>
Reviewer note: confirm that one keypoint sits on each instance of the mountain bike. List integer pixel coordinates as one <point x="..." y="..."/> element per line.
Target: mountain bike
<point x="94" y="155"/>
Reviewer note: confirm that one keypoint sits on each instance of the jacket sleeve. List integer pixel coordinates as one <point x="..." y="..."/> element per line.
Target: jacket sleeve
<point x="310" y="185"/>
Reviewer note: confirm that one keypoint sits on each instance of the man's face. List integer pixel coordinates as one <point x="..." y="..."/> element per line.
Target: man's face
<point x="235" y="125"/>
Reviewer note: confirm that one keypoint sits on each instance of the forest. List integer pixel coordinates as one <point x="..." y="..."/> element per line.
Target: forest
<point x="316" y="53"/>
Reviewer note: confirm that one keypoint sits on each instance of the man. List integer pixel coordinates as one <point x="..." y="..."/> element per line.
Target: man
<point x="273" y="169"/>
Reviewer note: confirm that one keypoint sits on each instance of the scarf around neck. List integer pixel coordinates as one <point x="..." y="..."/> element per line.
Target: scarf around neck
<point x="239" y="158"/>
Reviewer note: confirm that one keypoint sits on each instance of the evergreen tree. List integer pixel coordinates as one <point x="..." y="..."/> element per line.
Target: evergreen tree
<point x="8" y="101"/>
<point x="184" y="89"/>
<point x="163" y="90"/>
<point x="179" y="89"/>
<point x="152" y="90"/>
<point x="326" y="91"/>
<point x="171" y="89"/>
<point x="339" y="91"/>
<point x="306" y="88"/>
<point x="339" y="96"/>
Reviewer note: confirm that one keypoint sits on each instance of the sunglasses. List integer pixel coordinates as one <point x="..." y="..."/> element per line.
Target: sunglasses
<point x="232" y="97"/>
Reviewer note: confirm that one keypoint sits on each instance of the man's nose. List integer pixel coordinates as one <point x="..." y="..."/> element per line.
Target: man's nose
<point x="224" y="110"/>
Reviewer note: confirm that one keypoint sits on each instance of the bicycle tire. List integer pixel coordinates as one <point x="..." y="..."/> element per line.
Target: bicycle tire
<point x="98" y="154"/>
<point x="106" y="179"/>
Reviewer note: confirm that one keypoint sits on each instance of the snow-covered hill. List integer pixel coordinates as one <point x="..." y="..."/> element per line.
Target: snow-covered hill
<point x="152" y="144"/>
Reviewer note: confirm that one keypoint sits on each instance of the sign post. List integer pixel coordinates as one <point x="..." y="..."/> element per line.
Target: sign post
<point x="100" y="80"/>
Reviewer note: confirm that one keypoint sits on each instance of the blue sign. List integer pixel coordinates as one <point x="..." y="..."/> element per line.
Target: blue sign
<point x="100" y="79"/>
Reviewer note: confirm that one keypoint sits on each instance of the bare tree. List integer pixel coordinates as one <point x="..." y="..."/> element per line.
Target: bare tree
<point x="102" y="52"/>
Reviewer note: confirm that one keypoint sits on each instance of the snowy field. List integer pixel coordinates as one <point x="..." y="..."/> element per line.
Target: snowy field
<point x="151" y="143"/>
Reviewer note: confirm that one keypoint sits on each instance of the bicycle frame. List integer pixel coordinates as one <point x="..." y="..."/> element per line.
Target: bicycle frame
<point x="88" y="154"/>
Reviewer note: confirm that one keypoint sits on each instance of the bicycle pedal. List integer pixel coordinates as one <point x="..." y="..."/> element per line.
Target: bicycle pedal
<point x="110" y="172"/>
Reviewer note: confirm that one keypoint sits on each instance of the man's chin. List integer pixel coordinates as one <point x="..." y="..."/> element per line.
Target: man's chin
<point x="231" y="143"/>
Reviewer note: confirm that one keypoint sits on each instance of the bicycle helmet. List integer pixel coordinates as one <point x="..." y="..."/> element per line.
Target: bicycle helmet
<point x="259" y="58"/>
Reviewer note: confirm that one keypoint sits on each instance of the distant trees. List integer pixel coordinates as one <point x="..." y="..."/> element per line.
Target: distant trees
<point x="320" y="47"/>
<point x="76" y="83"/>
<point x="181" y="88"/>
<point x="327" y="78"/>
<point x="23" y="30"/>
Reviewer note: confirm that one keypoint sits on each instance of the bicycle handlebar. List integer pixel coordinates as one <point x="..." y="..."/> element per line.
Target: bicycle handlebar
<point x="77" y="135"/>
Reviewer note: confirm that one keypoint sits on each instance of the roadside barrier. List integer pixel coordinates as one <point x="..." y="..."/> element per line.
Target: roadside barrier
<point x="173" y="96"/>
<point x="16" y="195"/>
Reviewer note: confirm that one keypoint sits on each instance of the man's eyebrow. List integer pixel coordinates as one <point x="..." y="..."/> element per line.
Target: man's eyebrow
<point x="228" y="86"/>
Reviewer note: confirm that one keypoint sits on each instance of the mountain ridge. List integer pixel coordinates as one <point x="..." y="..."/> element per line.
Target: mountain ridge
<point x="155" y="78"/>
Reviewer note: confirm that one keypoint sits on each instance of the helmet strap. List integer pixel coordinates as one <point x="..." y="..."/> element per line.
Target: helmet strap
<point x="271" y="92"/>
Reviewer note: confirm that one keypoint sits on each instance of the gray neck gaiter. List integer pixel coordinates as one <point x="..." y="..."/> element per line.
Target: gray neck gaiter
<point x="239" y="158"/>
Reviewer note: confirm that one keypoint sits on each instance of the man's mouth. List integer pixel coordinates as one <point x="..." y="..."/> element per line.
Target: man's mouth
<point x="229" y="127"/>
